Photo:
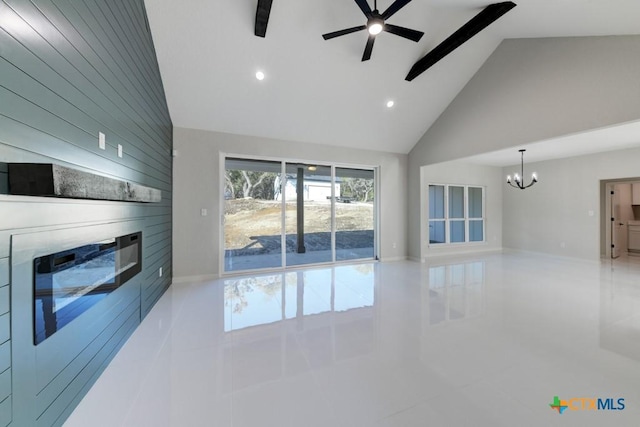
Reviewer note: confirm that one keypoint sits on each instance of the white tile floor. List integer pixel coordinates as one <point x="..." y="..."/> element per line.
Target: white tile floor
<point x="484" y="340"/>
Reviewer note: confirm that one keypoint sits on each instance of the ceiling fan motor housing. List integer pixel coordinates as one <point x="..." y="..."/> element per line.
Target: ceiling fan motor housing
<point x="375" y="19"/>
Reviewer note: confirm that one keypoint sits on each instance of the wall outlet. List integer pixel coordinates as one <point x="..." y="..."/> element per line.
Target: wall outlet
<point x="562" y="245"/>
<point x="591" y="213"/>
<point x="203" y="212"/>
<point x="160" y="272"/>
<point x="394" y="245"/>
<point x="120" y="150"/>
<point x="102" y="141"/>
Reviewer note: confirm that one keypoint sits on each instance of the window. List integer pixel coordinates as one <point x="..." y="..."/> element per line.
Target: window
<point x="456" y="214"/>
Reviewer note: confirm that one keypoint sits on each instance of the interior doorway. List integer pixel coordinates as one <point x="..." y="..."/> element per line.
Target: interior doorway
<point x="620" y="205"/>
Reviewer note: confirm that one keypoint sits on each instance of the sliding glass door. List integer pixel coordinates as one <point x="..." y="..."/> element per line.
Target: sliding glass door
<point x="308" y="192"/>
<point x="252" y="215"/>
<point x="355" y="214"/>
<point x="280" y="214"/>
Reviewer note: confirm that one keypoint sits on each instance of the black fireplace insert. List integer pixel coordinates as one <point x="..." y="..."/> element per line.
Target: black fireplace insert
<point x="68" y="283"/>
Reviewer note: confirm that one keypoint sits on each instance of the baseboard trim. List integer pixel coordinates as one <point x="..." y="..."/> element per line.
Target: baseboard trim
<point x="393" y="259"/>
<point x="460" y="252"/>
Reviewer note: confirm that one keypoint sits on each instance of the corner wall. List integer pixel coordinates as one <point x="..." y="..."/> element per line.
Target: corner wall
<point x="197" y="171"/>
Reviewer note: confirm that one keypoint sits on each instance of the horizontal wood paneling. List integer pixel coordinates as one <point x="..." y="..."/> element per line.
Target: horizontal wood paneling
<point x="5" y="412"/>
<point x="155" y="288"/>
<point x="63" y="406"/>
<point x="5" y="325"/>
<point x="5" y="356"/>
<point x="4" y="267"/>
<point x="4" y="299"/>
<point x="69" y="70"/>
<point x="47" y="42"/>
<point x="5" y="384"/>
<point x="69" y="371"/>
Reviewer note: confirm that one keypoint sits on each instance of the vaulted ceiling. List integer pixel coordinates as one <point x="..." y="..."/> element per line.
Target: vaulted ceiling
<point x="319" y="91"/>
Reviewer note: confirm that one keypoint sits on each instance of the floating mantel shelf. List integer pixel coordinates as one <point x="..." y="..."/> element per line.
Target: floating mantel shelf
<point x="50" y="180"/>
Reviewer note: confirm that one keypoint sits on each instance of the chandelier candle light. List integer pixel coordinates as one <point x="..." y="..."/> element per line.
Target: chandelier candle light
<point x="519" y="179"/>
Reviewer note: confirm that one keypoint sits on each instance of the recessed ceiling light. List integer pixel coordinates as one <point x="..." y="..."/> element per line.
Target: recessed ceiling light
<point x="259" y="75"/>
<point x="390" y="104"/>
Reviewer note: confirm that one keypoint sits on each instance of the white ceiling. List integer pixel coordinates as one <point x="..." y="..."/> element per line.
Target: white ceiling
<point x="319" y="91"/>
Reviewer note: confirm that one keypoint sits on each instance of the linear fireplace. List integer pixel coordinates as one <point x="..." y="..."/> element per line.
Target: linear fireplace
<point x="69" y="282"/>
<point x="75" y="299"/>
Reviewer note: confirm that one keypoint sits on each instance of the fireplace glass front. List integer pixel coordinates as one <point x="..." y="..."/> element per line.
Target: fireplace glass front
<point x="68" y="283"/>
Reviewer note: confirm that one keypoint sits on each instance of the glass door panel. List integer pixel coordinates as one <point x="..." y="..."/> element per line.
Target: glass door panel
<point x="355" y="214"/>
<point x="307" y="192"/>
<point x="252" y="215"/>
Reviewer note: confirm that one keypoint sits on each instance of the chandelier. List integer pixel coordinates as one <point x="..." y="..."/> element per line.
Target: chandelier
<point x="519" y="179"/>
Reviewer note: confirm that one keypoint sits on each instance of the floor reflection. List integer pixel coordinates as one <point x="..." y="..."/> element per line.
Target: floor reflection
<point x="456" y="292"/>
<point x="265" y="299"/>
<point x="620" y="308"/>
<point x="283" y="325"/>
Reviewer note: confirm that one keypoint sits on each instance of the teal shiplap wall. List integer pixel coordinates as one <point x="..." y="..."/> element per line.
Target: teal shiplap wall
<point x="70" y="69"/>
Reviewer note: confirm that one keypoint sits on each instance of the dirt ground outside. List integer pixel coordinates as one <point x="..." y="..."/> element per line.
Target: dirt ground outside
<point x="251" y="223"/>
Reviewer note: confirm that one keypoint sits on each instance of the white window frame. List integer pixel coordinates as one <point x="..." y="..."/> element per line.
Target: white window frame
<point x="447" y="221"/>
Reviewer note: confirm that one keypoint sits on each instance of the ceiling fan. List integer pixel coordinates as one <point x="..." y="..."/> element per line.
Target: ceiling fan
<point x="376" y="23"/>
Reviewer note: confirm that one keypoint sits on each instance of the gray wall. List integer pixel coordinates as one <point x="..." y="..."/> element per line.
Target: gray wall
<point x="553" y="216"/>
<point x="464" y="174"/>
<point x="68" y="71"/>
<point x="529" y="90"/>
<point x="197" y="182"/>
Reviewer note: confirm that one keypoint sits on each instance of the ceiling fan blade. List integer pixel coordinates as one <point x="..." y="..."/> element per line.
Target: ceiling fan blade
<point x="407" y="33"/>
<point x="343" y="32"/>
<point x="478" y="23"/>
<point x="364" y="7"/>
<point x="395" y="6"/>
<point x="368" y="48"/>
<point x="262" y="17"/>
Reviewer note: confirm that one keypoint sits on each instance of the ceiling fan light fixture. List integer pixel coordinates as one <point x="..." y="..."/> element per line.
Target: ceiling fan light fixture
<point x="375" y="26"/>
<point x="376" y="23"/>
